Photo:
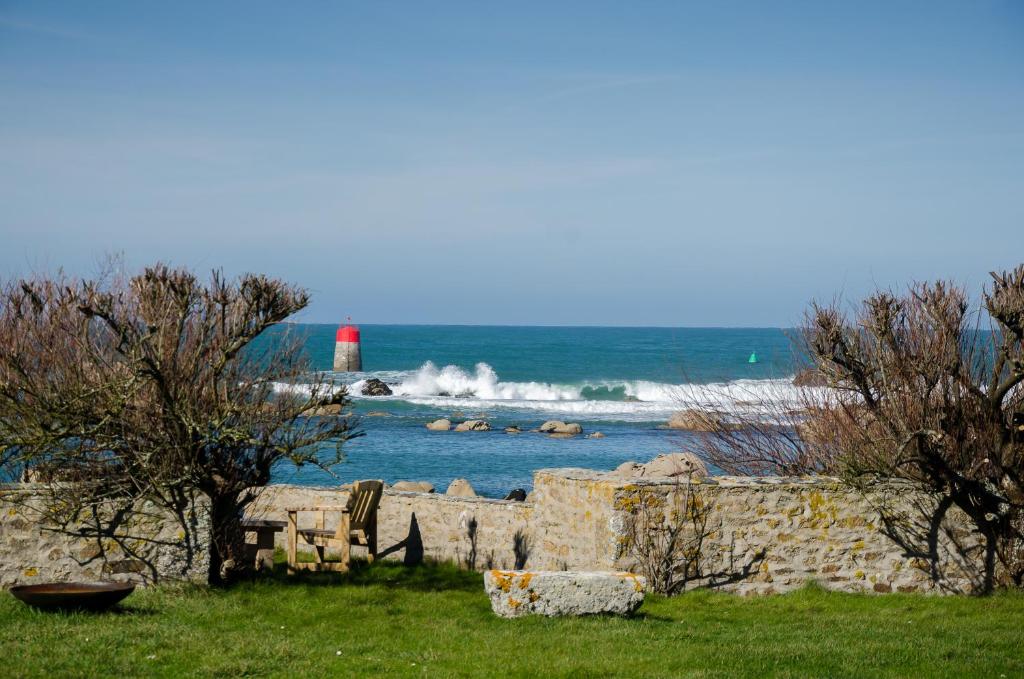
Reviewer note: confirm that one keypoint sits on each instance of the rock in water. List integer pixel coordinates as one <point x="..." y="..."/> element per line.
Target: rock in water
<point x="374" y="387"/>
<point x="323" y="411"/>
<point x="414" y="486"/>
<point x="517" y="593"/>
<point x="595" y="435"/>
<point x="695" y="420"/>
<point x="559" y="427"/>
<point x="517" y="494"/>
<point x="675" y="465"/>
<point x="809" y="378"/>
<point x="473" y="425"/>
<point x="439" y="425"/>
<point x="460" y="488"/>
<point x="513" y="430"/>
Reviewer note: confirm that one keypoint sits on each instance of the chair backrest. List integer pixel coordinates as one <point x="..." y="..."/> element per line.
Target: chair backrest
<point x="362" y="503"/>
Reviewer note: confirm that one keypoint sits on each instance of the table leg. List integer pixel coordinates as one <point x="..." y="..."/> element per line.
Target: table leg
<point x="293" y="536"/>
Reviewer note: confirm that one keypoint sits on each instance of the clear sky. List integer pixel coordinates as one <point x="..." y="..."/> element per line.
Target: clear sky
<point x="552" y="163"/>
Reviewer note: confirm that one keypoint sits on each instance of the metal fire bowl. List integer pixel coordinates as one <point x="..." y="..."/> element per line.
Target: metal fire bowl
<point x="73" y="595"/>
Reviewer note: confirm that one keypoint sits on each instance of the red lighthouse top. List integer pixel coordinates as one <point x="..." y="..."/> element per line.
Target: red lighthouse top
<point x="347" y="333"/>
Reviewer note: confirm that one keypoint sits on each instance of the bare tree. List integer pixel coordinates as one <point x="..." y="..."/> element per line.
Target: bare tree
<point x="155" y="388"/>
<point x="917" y="391"/>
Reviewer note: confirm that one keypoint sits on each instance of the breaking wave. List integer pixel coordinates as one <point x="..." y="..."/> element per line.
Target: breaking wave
<point x="453" y="387"/>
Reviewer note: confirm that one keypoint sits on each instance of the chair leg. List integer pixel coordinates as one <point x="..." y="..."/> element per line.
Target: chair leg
<point x="371" y="544"/>
<point x="346" y="543"/>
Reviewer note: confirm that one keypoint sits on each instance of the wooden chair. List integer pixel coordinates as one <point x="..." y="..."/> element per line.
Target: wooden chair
<point x="357" y="526"/>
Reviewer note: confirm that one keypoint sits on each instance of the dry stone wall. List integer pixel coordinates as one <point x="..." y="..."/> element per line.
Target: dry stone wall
<point x="150" y="547"/>
<point x="763" y="535"/>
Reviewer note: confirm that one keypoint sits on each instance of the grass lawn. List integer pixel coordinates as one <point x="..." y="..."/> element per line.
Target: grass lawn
<point x="436" y="621"/>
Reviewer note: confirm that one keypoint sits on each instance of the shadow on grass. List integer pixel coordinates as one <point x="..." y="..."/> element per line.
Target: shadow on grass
<point x="425" y="577"/>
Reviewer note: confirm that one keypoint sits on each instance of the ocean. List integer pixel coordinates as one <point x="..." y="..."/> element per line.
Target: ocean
<point x="622" y="382"/>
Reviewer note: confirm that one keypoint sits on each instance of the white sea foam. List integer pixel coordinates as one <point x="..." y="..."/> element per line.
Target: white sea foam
<point x="452" y="387"/>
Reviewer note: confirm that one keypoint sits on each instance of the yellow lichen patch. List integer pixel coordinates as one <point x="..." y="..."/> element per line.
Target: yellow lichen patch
<point x="859" y="545"/>
<point x="524" y="580"/>
<point x="636" y="581"/>
<point x="773" y="523"/>
<point x="761" y="510"/>
<point x="534" y="597"/>
<point x="503" y="580"/>
<point x="514" y="603"/>
<point x="31" y="572"/>
<point x="12" y="512"/>
<point x="859" y="575"/>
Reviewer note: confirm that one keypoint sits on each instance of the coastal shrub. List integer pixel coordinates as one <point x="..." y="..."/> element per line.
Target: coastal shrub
<point x="923" y="389"/>
<point x="127" y="391"/>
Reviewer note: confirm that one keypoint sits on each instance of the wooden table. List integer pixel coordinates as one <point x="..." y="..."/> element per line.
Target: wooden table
<point x="264" y="529"/>
<point x="320" y="538"/>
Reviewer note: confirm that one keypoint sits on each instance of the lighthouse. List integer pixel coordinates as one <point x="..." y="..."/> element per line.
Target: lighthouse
<point x="346" y="349"/>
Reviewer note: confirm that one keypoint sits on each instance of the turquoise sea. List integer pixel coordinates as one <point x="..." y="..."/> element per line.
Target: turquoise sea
<point x="623" y="382"/>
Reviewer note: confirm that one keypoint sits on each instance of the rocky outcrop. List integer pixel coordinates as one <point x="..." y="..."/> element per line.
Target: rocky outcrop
<point x="627" y="470"/>
<point x="517" y="495"/>
<point x="413" y="486"/>
<point x="517" y="593"/>
<point x="673" y="465"/>
<point x="559" y="427"/>
<point x="809" y="377"/>
<point x="329" y="410"/>
<point x="439" y="425"/>
<point x="696" y="420"/>
<point x="374" y="387"/>
<point x="460" y="488"/>
<point x="473" y="425"/>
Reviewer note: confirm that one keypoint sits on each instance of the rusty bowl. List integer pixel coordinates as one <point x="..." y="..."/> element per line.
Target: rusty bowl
<point x="73" y="595"/>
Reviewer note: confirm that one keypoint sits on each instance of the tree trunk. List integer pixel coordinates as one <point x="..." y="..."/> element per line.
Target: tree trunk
<point x="228" y="560"/>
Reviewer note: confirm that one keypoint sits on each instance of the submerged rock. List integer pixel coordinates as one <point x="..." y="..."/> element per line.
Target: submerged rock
<point x="377" y="413"/>
<point x="473" y="425"/>
<point x="513" y="430"/>
<point x="374" y="387"/>
<point x="323" y="411"/>
<point x="517" y="593"/>
<point x="559" y="427"/>
<point x="595" y="435"/>
<point x="460" y="488"/>
<point x="439" y="425"/>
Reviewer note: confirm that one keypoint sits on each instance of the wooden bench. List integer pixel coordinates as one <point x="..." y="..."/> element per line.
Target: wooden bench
<point x="356" y="526"/>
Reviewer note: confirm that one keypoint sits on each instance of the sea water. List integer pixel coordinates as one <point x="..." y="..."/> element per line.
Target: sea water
<point x="622" y="382"/>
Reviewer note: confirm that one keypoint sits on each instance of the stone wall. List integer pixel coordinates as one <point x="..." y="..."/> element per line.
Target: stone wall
<point x="150" y="547"/>
<point x="764" y="535"/>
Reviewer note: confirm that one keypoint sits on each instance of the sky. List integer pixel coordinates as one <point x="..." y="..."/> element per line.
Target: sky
<point x="599" y="163"/>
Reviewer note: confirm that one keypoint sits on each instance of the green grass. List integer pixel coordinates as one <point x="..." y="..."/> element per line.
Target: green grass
<point x="436" y="621"/>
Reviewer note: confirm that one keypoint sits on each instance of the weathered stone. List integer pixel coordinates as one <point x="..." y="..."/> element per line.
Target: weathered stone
<point x="559" y="427"/>
<point x="627" y="470"/>
<point x="374" y="387"/>
<point x="328" y="410"/>
<point x="413" y="486"/>
<point x="674" y="465"/>
<point x="460" y="488"/>
<point x="439" y="425"/>
<point x="473" y="425"/>
<point x="809" y="377"/>
<point x="554" y="593"/>
<point x="696" y="420"/>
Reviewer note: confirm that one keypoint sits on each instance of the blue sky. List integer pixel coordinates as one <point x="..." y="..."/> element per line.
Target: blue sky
<point x="591" y="163"/>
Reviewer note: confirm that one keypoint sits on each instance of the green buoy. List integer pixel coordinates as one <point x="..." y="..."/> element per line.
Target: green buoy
<point x="753" y="358"/>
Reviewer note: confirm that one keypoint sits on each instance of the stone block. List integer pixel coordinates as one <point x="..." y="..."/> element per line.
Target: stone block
<point x="556" y="593"/>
